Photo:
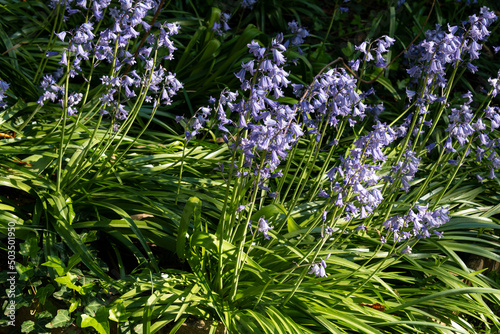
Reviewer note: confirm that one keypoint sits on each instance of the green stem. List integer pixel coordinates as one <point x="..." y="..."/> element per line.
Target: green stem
<point x="327" y="32"/>
<point x="56" y="26"/>
<point x="450" y="180"/>
<point x="239" y="261"/>
<point x="65" y="115"/>
<point x="318" y="181"/>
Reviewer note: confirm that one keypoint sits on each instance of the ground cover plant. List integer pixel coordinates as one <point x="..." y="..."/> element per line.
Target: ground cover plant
<point x="265" y="166"/>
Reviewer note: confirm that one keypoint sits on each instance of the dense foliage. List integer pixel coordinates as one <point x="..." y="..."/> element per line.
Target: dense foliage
<point x="266" y="166"/>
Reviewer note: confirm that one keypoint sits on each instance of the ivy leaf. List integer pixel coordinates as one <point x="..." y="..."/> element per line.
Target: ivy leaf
<point x="24" y="272"/>
<point x="85" y="289"/>
<point x="28" y="326"/>
<point x="74" y="304"/>
<point x="68" y="281"/>
<point x="29" y="247"/>
<point x="55" y="263"/>
<point x="62" y="319"/>
<point x="63" y="293"/>
<point x="92" y="308"/>
<point x="43" y="292"/>
<point x="99" y="323"/>
<point x="117" y="312"/>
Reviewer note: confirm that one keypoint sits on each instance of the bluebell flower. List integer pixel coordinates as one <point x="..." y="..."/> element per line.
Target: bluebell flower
<point x="248" y="3"/>
<point x="299" y="33"/>
<point x="82" y="45"/>
<point x="3" y="87"/>
<point x="407" y="250"/>
<point x="264" y="227"/>
<point x="430" y="57"/>
<point x="416" y="224"/>
<point x="222" y="26"/>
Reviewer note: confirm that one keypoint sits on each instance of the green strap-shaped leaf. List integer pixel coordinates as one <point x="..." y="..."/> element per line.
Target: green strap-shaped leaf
<point x="187" y="301"/>
<point x="192" y="208"/>
<point x="148" y="312"/>
<point x="386" y="83"/>
<point x="135" y="229"/>
<point x="63" y="227"/>
<point x="210" y="242"/>
<point x="445" y="293"/>
<point x="214" y="16"/>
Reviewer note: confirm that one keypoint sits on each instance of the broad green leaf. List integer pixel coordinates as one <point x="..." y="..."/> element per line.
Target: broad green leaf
<point x="10" y="112"/>
<point x="68" y="281"/>
<point x="44" y="292"/>
<point x="187" y="301"/>
<point x="42" y="320"/>
<point x="214" y="17"/>
<point x="148" y="311"/>
<point x="62" y="319"/>
<point x="28" y="326"/>
<point x="74" y="304"/>
<point x="117" y="312"/>
<point x="56" y="263"/>
<point x="29" y="247"/>
<point x="288" y="100"/>
<point x="25" y="272"/>
<point x="100" y="322"/>
<point x="187" y="51"/>
<point x="210" y="242"/>
<point x="448" y="292"/>
<point x="192" y="208"/>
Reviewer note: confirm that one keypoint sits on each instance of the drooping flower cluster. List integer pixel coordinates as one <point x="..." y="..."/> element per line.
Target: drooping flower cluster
<point x="111" y="46"/>
<point x="331" y="97"/>
<point x="248" y="3"/>
<point x="460" y="127"/>
<point x="264" y="227"/>
<point x="382" y="46"/>
<point x="465" y="127"/>
<point x="222" y="26"/>
<point x="51" y="89"/>
<point x="3" y="87"/>
<point x="261" y="128"/>
<point x="358" y="177"/>
<point x="299" y="33"/>
<point x="76" y="6"/>
<point x="418" y="224"/>
<point x="406" y="169"/>
<point x="319" y="269"/>
<point x="489" y="147"/>
<point x="197" y="123"/>
<point x="430" y="58"/>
